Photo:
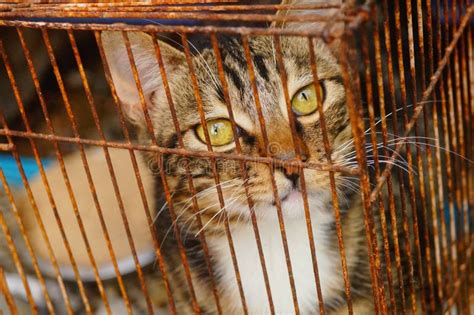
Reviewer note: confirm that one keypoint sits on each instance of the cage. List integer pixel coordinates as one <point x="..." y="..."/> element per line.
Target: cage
<point x="226" y="157"/>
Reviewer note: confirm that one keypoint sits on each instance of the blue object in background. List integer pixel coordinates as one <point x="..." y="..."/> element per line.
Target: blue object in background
<point x="10" y="169"/>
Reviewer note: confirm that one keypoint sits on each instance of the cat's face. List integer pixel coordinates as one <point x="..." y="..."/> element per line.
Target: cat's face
<point x="302" y="92"/>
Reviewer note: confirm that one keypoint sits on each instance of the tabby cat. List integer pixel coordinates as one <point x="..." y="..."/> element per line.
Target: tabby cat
<point x="303" y="93"/>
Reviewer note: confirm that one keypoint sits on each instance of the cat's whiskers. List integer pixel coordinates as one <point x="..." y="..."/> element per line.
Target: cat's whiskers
<point x="188" y="203"/>
<point x="218" y="213"/>
<point x="235" y="191"/>
<point x="382" y="159"/>
<point x="165" y="204"/>
<point x="202" y="194"/>
<point x="347" y="143"/>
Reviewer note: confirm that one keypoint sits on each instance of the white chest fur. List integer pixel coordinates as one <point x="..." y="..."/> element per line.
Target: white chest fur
<point x="252" y="279"/>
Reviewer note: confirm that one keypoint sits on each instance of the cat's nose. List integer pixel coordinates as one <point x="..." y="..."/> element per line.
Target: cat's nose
<point x="291" y="173"/>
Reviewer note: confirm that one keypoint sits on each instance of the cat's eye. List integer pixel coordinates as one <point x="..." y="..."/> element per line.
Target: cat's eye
<point x="305" y="101"/>
<point x="220" y="132"/>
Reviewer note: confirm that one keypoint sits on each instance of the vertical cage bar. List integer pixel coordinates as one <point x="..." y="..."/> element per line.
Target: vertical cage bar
<point x="375" y="147"/>
<point x="415" y="209"/>
<point x="335" y="199"/>
<point x="466" y="58"/>
<point x="420" y="162"/>
<point x="17" y="261"/>
<point x="403" y="90"/>
<point x="429" y="159"/>
<point x="357" y="125"/>
<point x="394" y="113"/>
<point x="462" y="202"/>
<point x="150" y="130"/>
<point x="470" y="71"/>
<point x="443" y="289"/>
<point x="276" y="196"/>
<point x="297" y="147"/>
<point x="188" y="173"/>
<point x="465" y="164"/>
<point x="454" y="133"/>
<point x="202" y="118"/>
<point x="461" y="194"/>
<point x="243" y="169"/>
<point x="7" y="294"/>
<point x="195" y="205"/>
<point x="22" y="229"/>
<point x="451" y="139"/>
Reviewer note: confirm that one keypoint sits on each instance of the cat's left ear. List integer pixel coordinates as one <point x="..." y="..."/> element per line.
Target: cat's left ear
<point x="144" y="55"/>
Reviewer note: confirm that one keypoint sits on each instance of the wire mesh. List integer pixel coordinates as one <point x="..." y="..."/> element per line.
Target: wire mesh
<point x="405" y="69"/>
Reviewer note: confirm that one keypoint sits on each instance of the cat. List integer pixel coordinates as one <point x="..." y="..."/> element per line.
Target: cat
<point x="302" y="89"/>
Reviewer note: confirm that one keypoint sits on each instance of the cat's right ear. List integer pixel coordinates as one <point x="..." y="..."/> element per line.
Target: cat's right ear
<point x="144" y="55"/>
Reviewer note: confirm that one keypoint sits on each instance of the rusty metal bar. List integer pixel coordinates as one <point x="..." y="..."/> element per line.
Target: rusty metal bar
<point x="451" y="141"/>
<point x="188" y="173"/>
<point x="166" y="86"/>
<point x="462" y="114"/>
<point x="441" y="206"/>
<point x="110" y="83"/>
<point x="413" y="197"/>
<point x="243" y="169"/>
<point x="466" y="59"/>
<point x="297" y="147"/>
<point x="173" y="16"/>
<point x="5" y="147"/>
<point x="375" y="145"/>
<point x="426" y="122"/>
<point x="17" y="261"/>
<point x="357" y="124"/>
<point x="465" y="77"/>
<point x="7" y="294"/>
<point x="393" y="211"/>
<point x="276" y="196"/>
<point x="238" y="30"/>
<point x="461" y="193"/>
<point x="139" y="7"/>
<point x="403" y="89"/>
<point x="202" y="118"/>
<point x="29" y="248"/>
<point x="335" y="199"/>
<point x="464" y="119"/>
<point x="150" y="129"/>
<point x="457" y="285"/>
<point x="163" y="150"/>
